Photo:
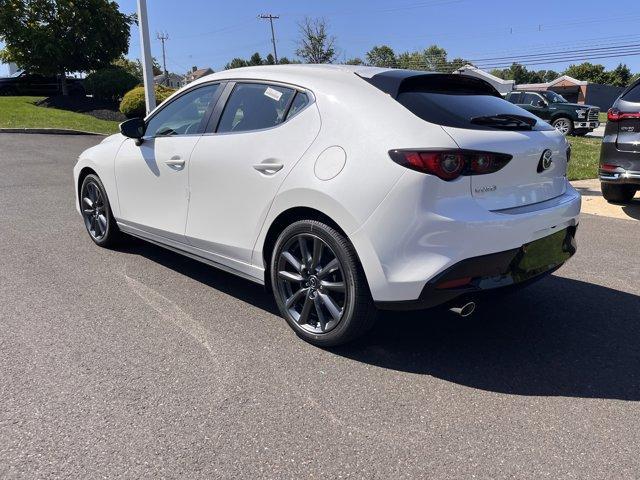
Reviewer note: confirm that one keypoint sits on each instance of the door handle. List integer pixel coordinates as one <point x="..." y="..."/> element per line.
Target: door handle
<point x="175" y="162"/>
<point x="268" y="168"/>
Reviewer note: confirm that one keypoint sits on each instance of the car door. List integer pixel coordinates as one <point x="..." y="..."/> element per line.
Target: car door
<point x="534" y="103"/>
<point x="262" y="132"/>
<point x="152" y="177"/>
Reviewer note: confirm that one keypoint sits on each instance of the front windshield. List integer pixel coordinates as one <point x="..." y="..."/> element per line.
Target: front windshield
<point x="553" y="97"/>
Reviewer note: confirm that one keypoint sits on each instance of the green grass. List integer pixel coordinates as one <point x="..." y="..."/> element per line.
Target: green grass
<point x="20" y="112"/>
<point x="602" y="117"/>
<point x="585" y="155"/>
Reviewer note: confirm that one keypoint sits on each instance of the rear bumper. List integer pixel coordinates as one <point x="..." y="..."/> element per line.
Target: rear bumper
<point x="415" y="235"/>
<point x="620" y="176"/>
<point x="495" y="272"/>
<point x="627" y="163"/>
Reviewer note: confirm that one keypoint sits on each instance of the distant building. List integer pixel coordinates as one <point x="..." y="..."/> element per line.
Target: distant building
<point x="171" y="80"/>
<point x="197" y="73"/>
<point x="13" y="68"/>
<point x="503" y="86"/>
<point x="578" y="91"/>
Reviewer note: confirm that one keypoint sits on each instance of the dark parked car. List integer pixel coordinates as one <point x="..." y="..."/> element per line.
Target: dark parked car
<point x="24" y="83"/>
<point x="567" y="118"/>
<point x="620" y="155"/>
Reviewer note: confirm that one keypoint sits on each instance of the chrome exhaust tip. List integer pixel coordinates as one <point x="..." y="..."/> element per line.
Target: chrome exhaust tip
<point x="465" y="310"/>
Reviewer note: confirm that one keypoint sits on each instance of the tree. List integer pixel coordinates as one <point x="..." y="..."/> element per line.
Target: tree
<point x="411" y="61"/>
<point x="236" y="63"/>
<point x="456" y="63"/>
<point x="315" y="44"/>
<point x="53" y="37"/>
<point x="619" y="76"/>
<point x="435" y="59"/>
<point x="130" y="66"/>
<point x="382" y="56"/>
<point x="255" y="60"/>
<point x="270" y="60"/>
<point x="286" y="61"/>
<point x="587" y="72"/>
<point x="354" y="61"/>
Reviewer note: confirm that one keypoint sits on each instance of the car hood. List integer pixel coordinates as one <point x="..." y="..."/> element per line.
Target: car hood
<point x="572" y="105"/>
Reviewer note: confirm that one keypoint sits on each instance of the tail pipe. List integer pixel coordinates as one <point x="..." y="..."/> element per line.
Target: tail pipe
<point x="464" y="310"/>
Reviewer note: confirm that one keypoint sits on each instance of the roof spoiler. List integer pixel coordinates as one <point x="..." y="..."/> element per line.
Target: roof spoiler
<point x="394" y="82"/>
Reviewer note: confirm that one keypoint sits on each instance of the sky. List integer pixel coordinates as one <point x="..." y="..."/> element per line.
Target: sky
<point x="209" y="33"/>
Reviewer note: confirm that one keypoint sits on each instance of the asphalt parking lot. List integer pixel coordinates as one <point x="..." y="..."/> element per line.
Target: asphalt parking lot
<point x="137" y="363"/>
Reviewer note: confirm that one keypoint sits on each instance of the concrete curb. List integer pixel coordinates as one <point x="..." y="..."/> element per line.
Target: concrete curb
<point x="49" y="131"/>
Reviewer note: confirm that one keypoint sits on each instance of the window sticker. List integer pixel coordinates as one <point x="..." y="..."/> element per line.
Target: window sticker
<point x="273" y="94"/>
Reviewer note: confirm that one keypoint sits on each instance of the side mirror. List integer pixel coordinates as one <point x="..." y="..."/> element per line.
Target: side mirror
<point x="542" y="103"/>
<point x="133" y="128"/>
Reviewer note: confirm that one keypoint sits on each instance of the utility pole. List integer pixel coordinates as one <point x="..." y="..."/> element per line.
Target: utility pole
<point x="271" y="18"/>
<point x="147" y="60"/>
<point x="163" y="37"/>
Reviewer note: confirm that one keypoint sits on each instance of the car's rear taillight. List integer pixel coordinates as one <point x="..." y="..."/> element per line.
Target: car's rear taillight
<point x="615" y="115"/>
<point x="450" y="164"/>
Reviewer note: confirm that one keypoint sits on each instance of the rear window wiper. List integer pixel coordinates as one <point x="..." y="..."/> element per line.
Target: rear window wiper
<point x="506" y="120"/>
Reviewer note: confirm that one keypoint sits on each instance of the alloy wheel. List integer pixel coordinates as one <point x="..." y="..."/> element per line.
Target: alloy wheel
<point x="311" y="283"/>
<point x="94" y="211"/>
<point x="562" y="126"/>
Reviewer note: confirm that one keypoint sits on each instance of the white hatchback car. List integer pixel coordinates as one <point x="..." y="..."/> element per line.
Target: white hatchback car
<point x="344" y="190"/>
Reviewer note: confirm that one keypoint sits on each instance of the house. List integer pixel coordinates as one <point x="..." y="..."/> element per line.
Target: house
<point x="578" y="91"/>
<point x="503" y="86"/>
<point x="171" y="80"/>
<point x="197" y="73"/>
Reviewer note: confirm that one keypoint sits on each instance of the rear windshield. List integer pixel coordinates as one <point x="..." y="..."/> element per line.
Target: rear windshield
<point x="469" y="110"/>
<point x="633" y="95"/>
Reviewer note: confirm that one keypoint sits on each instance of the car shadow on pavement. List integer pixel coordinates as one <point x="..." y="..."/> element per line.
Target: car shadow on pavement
<point x="232" y="285"/>
<point x="633" y="209"/>
<point x="558" y="337"/>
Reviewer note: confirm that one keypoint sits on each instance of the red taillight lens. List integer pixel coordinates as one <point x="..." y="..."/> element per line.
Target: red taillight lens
<point x="615" y="115"/>
<point x="450" y="164"/>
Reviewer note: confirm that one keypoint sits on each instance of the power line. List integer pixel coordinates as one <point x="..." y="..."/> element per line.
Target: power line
<point x="271" y="18"/>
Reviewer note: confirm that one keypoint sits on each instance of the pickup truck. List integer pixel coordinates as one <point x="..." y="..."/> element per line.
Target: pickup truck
<point x="24" y="83"/>
<point x="567" y="118"/>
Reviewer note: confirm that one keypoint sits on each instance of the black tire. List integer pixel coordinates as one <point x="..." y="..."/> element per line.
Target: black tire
<point x="357" y="310"/>
<point x="618" y="193"/>
<point x="565" y="120"/>
<point x="100" y="224"/>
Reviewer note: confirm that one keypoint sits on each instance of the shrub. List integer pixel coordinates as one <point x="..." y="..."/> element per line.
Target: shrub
<point x="133" y="103"/>
<point x="110" y="84"/>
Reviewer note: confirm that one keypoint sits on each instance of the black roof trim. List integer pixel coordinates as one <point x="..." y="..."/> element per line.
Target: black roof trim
<point x="393" y="81"/>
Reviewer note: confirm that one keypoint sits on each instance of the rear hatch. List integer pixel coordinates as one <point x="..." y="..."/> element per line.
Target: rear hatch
<point x="523" y="180"/>
<point x="626" y="116"/>
<point x="478" y="119"/>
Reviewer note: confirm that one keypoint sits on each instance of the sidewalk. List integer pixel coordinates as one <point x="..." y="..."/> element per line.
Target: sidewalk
<point x="594" y="204"/>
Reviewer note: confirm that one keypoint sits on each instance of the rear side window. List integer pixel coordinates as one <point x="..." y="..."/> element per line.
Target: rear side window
<point x="530" y="99"/>
<point x="255" y="106"/>
<point x="632" y="95"/>
<point x="301" y="101"/>
<point x="515" y="97"/>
